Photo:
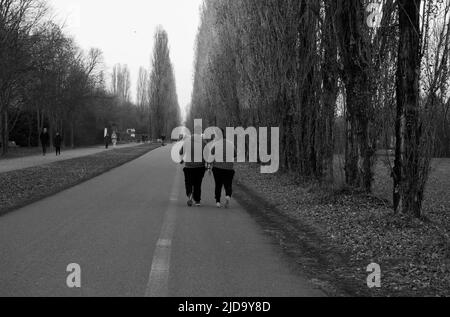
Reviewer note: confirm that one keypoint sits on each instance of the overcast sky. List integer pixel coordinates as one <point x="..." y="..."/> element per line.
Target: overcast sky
<point x="124" y="29"/>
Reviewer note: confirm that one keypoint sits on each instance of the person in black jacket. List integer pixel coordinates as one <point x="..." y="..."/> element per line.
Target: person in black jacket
<point x="107" y="141"/>
<point x="57" y="143"/>
<point x="45" y="141"/>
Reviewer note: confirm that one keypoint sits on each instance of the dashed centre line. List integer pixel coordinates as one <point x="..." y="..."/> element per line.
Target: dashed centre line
<point x="158" y="282"/>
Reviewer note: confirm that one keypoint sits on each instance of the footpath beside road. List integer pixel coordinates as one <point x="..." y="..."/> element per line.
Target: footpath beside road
<point x="9" y="165"/>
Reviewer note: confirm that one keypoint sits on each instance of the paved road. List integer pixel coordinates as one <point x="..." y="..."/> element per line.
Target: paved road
<point x="133" y="235"/>
<point x="8" y="165"/>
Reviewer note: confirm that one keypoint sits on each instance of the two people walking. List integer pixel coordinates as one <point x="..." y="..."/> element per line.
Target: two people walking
<point x="45" y="142"/>
<point x="195" y="170"/>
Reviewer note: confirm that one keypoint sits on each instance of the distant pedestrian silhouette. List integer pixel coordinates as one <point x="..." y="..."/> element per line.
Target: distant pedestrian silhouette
<point x="107" y="140"/>
<point x="45" y="141"/>
<point x="57" y="143"/>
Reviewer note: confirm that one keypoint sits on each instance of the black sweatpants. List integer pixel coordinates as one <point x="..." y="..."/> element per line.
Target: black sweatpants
<point x="193" y="179"/>
<point x="58" y="150"/>
<point x="44" y="149"/>
<point x="223" y="178"/>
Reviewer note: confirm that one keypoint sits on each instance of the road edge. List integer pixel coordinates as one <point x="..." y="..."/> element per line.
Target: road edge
<point x="309" y="252"/>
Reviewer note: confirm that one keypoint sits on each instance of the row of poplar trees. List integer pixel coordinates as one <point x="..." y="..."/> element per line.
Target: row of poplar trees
<point x="156" y="97"/>
<point x="381" y="66"/>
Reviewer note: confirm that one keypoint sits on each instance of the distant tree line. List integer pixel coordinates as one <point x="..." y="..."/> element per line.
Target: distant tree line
<point x="315" y="68"/>
<point x="47" y="81"/>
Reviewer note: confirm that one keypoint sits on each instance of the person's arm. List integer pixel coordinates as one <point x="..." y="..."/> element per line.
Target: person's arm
<point x="181" y="155"/>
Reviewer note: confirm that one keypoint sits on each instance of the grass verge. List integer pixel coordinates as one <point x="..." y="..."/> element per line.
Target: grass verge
<point x="23" y="187"/>
<point x="334" y="236"/>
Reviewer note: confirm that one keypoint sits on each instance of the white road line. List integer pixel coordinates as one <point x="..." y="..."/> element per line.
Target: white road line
<point x="158" y="281"/>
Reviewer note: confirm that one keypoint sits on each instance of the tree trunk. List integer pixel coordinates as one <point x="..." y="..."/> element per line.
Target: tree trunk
<point x="351" y="155"/>
<point x="40" y="123"/>
<point x="328" y="137"/>
<point x="330" y="89"/>
<point x="5" y="132"/>
<point x="30" y="129"/>
<point x="72" y="134"/>
<point x="51" y="129"/>
<point x="350" y="24"/>
<point x="359" y="151"/>
<point x="408" y="175"/>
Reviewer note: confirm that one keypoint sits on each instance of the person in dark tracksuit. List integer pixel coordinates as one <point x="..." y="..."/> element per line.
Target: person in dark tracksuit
<point x="223" y="172"/>
<point x="57" y="143"/>
<point x="45" y="141"/>
<point x="194" y="172"/>
<point x="107" y="141"/>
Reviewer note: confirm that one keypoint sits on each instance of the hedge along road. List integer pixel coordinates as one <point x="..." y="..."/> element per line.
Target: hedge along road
<point x="132" y="234"/>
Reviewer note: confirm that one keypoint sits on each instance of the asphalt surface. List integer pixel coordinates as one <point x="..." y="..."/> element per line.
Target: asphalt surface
<point x="133" y="235"/>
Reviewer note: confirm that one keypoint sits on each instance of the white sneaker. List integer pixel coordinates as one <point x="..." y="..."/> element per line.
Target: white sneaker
<point x="227" y="202"/>
<point x="219" y="205"/>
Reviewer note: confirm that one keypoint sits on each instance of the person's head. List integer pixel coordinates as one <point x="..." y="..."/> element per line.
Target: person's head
<point x="45" y="130"/>
<point x="57" y="133"/>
